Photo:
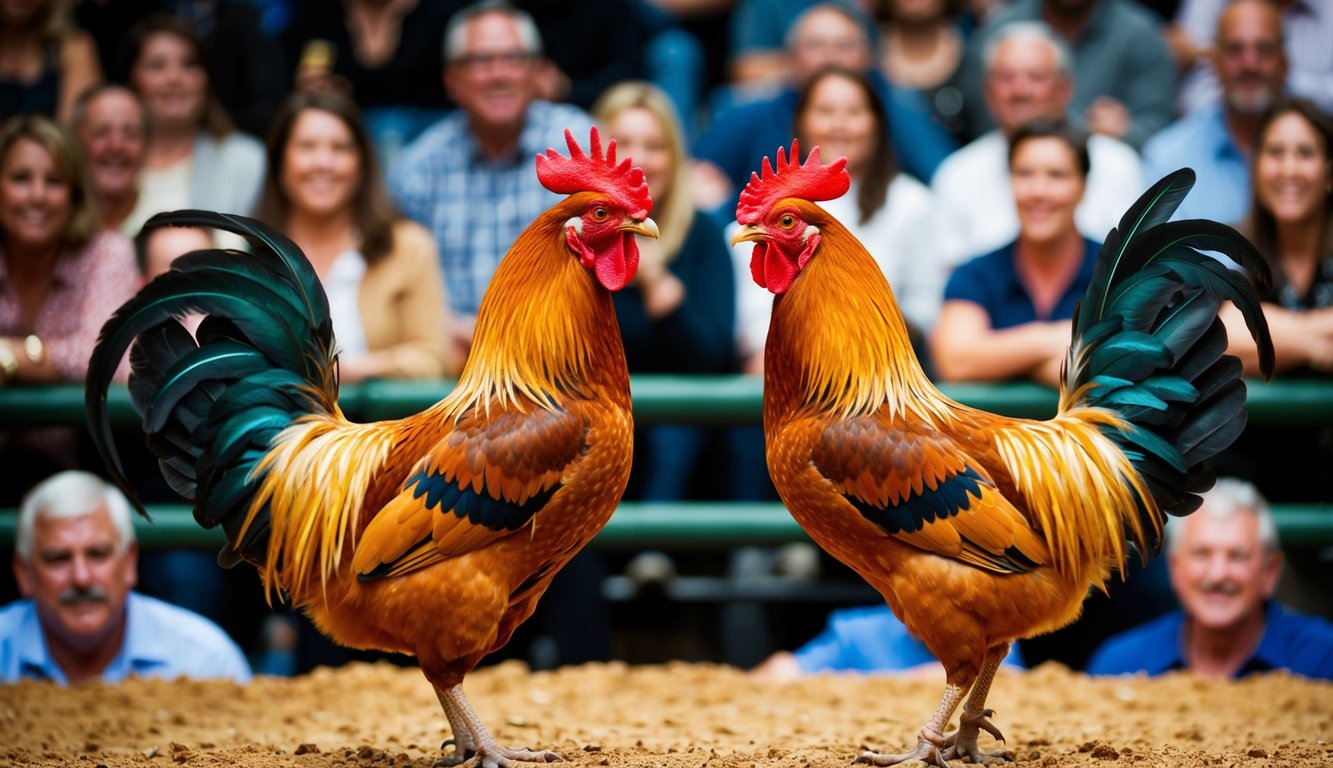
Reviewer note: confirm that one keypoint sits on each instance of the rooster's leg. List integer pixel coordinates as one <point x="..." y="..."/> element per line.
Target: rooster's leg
<point x="929" y="741"/>
<point x="462" y="739"/>
<point x="975" y="717"/>
<point x="471" y="736"/>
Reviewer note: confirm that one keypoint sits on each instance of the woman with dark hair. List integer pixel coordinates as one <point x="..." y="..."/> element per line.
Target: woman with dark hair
<point x="1007" y="314"/>
<point x="891" y="213"/>
<point x="195" y="156"/>
<point x="382" y="272"/>
<point x="1291" y="223"/>
<point x="48" y="61"/>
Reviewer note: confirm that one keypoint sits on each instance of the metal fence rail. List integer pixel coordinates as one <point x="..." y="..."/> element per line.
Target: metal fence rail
<point x="712" y="400"/>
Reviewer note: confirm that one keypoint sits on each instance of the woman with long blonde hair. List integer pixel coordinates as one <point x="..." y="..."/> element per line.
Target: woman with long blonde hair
<point x="680" y="313"/>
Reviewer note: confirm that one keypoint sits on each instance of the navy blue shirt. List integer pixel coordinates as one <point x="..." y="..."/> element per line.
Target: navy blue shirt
<point x="1292" y="641"/>
<point x="991" y="281"/>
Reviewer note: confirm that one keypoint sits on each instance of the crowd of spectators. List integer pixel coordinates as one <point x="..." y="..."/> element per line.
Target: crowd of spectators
<point x="991" y="144"/>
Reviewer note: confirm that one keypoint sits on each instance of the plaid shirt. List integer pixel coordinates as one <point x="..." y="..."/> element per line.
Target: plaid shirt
<point x="474" y="205"/>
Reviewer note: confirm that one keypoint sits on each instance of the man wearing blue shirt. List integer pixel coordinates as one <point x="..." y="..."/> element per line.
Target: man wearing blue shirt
<point x="1224" y="562"/>
<point x="75" y="562"/>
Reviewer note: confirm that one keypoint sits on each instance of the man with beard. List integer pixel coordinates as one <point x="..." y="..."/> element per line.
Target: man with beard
<point x="75" y="562"/>
<point x="111" y="125"/>
<point x="1224" y="562"/>
<point x="1217" y="140"/>
<point x="469" y="178"/>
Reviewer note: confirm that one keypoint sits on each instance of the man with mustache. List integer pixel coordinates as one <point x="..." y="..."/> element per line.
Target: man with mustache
<point x="1217" y="140"/>
<point x="1224" y="562"/>
<point x="75" y="562"/>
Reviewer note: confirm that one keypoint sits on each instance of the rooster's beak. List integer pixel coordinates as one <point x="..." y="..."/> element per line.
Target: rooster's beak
<point x="647" y="227"/>
<point x="748" y="233"/>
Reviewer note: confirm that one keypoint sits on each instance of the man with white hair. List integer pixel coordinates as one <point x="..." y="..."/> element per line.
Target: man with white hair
<point x="75" y="561"/>
<point x="1028" y="76"/>
<point x="1224" y="562"/>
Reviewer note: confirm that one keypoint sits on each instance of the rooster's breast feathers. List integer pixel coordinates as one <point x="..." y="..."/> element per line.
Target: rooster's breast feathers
<point x="486" y="479"/>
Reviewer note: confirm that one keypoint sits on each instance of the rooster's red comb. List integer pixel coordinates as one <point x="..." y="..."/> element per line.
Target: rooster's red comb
<point x="810" y="181"/>
<point x="595" y="173"/>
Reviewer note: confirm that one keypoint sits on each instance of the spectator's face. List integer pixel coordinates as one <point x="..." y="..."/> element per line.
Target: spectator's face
<point x="113" y="140"/>
<point x="839" y="121"/>
<point x="166" y="244"/>
<point x="172" y="81"/>
<point x="78" y="577"/>
<point x="639" y="136"/>
<point x="321" y="166"/>
<point x="1048" y="186"/>
<point x="35" y="199"/>
<point x="1248" y="56"/>
<point x="1293" y="171"/>
<point x="495" y="80"/>
<point x="1219" y="570"/>
<point x="916" y="10"/>
<point x="1024" y="83"/>
<point x="828" y="38"/>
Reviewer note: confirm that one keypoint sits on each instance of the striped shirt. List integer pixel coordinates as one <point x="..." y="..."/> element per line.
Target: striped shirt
<point x="475" y="205"/>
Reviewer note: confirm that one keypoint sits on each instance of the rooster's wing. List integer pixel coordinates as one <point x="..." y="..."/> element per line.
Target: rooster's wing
<point x="920" y="485"/>
<point x="488" y="478"/>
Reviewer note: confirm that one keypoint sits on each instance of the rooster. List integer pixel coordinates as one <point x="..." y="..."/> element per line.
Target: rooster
<point x="976" y="528"/>
<point x="433" y="535"/>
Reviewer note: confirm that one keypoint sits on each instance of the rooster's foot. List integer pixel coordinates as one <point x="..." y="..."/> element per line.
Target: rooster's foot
<point x="495" y="756"/>
<point x="928" y="746"/>
<point x="963" y="742"/>
<point x="461" y="753"/>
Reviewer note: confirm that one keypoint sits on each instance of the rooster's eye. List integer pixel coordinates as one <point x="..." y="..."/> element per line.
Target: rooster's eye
<point x="787" y="221"/>
<point x="600" y="214"/>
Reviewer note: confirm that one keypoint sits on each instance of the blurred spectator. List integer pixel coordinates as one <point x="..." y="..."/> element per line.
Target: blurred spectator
<point x="469" y="178"/>
<point x="921" y="52"/>
<point x="587" y="47"/>
<point x="245" y="63"/>
<point x="193" y="146"/>
<point x="866" y="639"/>
<point x="828" y="34"/>
<point x="75" y="562"/>
<point x="47" y="61"/>
<point x="1224" y="561"/>
<point x="385" y="54"/>
<point x="890" y="213"/>
<point x="111" y="124"/>
<point x="762" y="54"/>
<point x="1217" y="139"/>
<point x="1027" y="76"/>
<point x="1307" y="29"/>
<point x="1124" y="76"/>
<point x="1291" y="223"/>
<point x="61" y="277"/>
<point x="679" y="314"/>
<point x="157" y="247"/>
<point x="1007" y="314"/>
<point x="674" y="58"/>
<point x="381" y="272"/>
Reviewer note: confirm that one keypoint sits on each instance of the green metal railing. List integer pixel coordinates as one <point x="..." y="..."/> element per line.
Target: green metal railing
<point x="722" y="400"/>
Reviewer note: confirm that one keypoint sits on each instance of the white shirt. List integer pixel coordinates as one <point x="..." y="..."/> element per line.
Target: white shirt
<point x="976" y="202"/>
<point x="343" y="287"/>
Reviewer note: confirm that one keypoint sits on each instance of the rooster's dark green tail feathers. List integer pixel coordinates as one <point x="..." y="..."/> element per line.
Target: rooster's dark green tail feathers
<point x="1149" y="346"/>
<point x="265" y="311"/>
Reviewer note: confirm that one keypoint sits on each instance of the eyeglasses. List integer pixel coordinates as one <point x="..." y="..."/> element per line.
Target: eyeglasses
<point x="507" y="59"/>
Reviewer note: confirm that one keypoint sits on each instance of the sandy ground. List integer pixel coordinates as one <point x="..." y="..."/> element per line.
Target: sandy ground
<point x="673" y="715"/>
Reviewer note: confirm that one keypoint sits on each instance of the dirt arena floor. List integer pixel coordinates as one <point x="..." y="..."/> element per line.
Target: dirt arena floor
<point x="671" y="716"/>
